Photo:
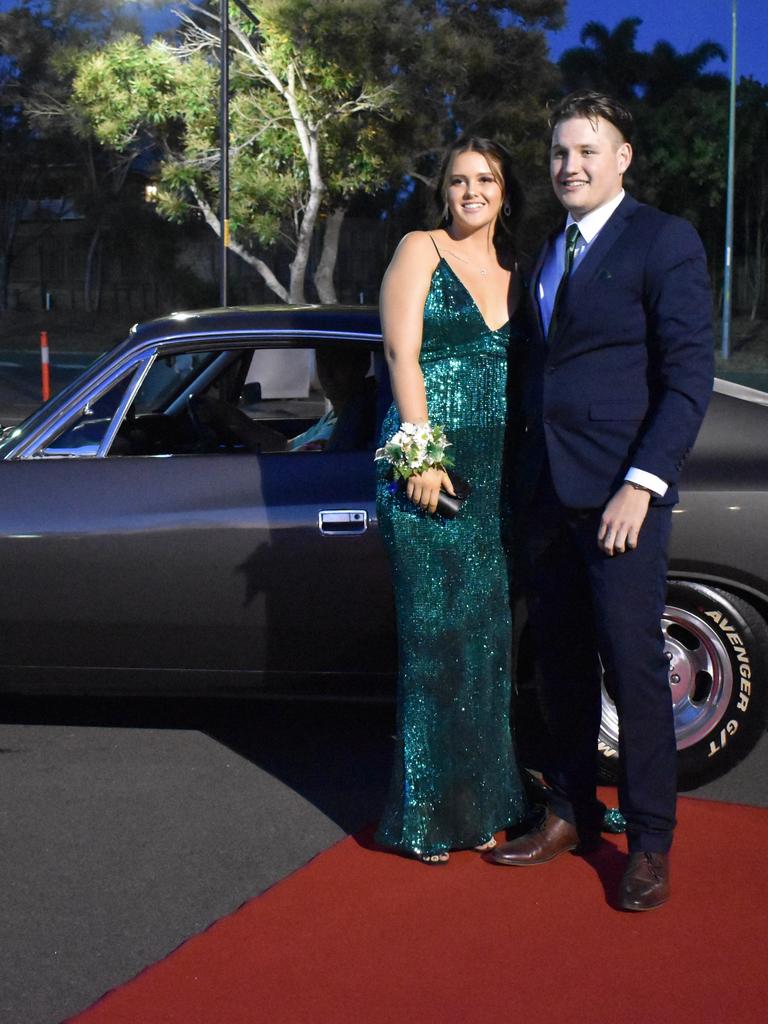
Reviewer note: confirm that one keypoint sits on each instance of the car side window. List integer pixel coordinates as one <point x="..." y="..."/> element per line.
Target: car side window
<point x="83" y="435"/>
<point x="260" y="399"/>
<point x="167" y="378"/>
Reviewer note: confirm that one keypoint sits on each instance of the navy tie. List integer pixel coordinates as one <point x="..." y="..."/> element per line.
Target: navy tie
<point x="572" y="239"/>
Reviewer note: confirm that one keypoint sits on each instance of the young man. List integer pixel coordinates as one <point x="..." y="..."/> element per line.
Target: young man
<point x="620" y="375"/>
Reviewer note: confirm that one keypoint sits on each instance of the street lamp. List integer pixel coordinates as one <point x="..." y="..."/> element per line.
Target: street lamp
<point x="725" y="350"/>
<point x="224" y="137"/>
<point x="224" y="147"/>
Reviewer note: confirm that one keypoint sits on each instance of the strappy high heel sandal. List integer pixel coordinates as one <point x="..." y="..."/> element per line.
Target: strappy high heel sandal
<point x="433" y="860"/>
<point x="484" y="847"/>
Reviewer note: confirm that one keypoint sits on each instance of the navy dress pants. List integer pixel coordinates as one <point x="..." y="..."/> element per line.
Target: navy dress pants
<point x="593" y="613"/>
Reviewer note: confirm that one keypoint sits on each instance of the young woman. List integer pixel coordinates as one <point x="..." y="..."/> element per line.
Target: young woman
<point x="449" y="307"/>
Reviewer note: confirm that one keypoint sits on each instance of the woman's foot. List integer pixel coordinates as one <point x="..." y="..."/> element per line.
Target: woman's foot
<point x="486" y="846"/>
<point x="443" y="858"/>
<point x="434" y="858"/>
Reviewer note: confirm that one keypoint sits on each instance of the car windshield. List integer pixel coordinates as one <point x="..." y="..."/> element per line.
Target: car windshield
<point x="11" y="435"/>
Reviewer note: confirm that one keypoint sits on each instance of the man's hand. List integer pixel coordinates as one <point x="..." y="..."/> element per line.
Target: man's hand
<point x="621" y="521"/>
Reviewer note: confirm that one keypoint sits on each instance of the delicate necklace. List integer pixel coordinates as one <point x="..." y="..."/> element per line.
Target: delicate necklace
<point x="483" y="270"/>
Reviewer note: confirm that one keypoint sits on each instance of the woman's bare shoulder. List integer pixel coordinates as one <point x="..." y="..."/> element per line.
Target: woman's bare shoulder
<point x="416" y="251"/>
<point x="416" y="243"/>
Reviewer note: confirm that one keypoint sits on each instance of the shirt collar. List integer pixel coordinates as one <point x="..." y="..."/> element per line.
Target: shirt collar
<point x="592" y="222"/>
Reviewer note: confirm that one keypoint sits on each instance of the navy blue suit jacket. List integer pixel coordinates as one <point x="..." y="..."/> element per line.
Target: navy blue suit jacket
<point x="626" y="378"/>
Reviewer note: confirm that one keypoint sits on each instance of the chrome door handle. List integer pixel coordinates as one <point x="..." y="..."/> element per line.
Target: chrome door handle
<point x="346" y="521"/>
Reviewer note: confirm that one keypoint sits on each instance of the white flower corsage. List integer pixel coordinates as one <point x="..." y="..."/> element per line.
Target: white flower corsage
<point x="414" y="448"/>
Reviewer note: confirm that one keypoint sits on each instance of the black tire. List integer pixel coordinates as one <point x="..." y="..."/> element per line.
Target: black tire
<point x="717" y="646"/>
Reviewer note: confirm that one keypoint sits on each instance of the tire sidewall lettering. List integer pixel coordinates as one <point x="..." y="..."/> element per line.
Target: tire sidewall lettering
<point x="733" y="702"/>
<point x="743" y="671"/>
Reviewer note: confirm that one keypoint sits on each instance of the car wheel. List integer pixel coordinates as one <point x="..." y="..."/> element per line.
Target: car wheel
<point x="717" y="648"/>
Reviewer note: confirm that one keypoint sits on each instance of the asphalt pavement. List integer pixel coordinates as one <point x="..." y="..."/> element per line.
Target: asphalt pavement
<point x="129" y="825"/>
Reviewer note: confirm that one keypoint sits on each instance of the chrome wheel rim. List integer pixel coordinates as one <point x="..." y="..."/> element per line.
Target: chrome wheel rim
<point x="700" y="678"/>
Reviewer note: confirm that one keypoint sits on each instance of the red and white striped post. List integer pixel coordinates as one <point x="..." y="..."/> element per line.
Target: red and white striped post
<point x="45" y="365"/>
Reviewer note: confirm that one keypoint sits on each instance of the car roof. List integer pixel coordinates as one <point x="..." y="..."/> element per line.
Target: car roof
<point x="345" y="319"/>
<point x="354" y="324"/>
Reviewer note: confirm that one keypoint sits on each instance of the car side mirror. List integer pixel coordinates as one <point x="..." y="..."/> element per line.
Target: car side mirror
<point x="251" y="393"/>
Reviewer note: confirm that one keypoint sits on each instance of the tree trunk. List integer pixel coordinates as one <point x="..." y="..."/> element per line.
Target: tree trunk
<point x="264" y="271"/>
<point x="89" y="270"/>
<point x="306" y="233"/>
<point x="761" y="243"/>
<point x="5" y="275"/>
<point x="757" y="287"/>
<point x="98" y="278"/>
<point x="6" y="257"/>
<point x="324" y="274"/>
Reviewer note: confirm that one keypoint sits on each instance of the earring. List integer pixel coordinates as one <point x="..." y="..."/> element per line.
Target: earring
<point x="507" y="208"/>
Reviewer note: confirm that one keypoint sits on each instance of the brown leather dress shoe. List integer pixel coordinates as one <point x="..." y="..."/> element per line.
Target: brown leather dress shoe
<point x="543" y="843"/>
<point x="645" y="883"/>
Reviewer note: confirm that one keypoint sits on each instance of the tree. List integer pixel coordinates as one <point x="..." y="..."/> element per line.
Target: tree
<point x="22" y="157"/>
<point x="667" y="71"/>
<point x="46" y="151"/>
<point x="331" y="99"/>
<point x="679" y="113"/>
<point x="456" y="67"/>
<point x="294" y="115"/>
<point x="752" y="185"/>
<point x="681" y="157"/>
<point x="607" y="61"/>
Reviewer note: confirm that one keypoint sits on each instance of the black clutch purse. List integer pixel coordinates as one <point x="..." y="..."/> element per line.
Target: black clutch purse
<point x="448" y="506"/>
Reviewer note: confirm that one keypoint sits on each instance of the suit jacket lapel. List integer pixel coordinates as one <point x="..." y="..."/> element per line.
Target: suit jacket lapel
<point x="534" y="283"/>
<point x="593" y="260"/>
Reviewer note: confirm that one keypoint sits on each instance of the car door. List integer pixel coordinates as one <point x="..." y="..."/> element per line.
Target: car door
<point x="201" y="559"/>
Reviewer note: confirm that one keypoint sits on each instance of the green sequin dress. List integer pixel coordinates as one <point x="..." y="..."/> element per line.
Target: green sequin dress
<point x="455" y="780"/>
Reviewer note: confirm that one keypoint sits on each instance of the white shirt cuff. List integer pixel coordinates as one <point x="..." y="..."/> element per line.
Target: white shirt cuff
<point x="653" y="483"/>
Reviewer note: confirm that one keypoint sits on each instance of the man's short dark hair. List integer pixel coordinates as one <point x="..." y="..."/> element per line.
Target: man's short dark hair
<point x="593" y="105"/>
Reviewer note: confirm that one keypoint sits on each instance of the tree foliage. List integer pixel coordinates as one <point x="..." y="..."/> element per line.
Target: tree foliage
<point x="303" y="129"/>
<point x="607" y="60"/>
<point x="752" y="187"/>
<point x="340" y="105"/>
<point x="329" y="99"/>
<point x="47" y="151"/>
<point x="680" y="114"/>
<point x="480" y="68"/>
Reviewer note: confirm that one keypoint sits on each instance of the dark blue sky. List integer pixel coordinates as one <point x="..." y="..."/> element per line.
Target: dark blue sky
<point x="684" y="23"/>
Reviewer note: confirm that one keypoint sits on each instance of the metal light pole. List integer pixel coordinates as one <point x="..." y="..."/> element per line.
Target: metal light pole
<point x="224" y="145"/>
<point x="725" y="350"/>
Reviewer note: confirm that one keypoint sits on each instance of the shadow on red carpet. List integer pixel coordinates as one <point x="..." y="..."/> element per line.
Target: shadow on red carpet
<point x="361" y="936"/>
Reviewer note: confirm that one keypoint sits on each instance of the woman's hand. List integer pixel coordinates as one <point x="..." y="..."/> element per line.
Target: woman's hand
<point x="424" y="488"/>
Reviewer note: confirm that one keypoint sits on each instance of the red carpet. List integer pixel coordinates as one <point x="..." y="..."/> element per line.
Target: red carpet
<point x="360" y="936"/>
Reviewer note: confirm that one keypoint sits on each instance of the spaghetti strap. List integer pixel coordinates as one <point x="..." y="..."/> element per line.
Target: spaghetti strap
<point x="435" y="245"/>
